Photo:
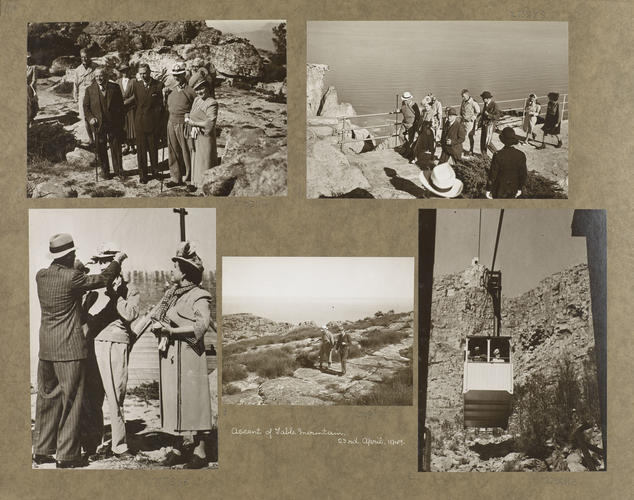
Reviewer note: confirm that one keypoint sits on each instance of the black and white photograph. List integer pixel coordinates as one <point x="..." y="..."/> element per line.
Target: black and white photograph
<point x="437" y="109"/>
<point x="317" y="331"/>
<point x="123" y="338"/>
<point x="512" y="340"/>
<point x="156" y="108"/>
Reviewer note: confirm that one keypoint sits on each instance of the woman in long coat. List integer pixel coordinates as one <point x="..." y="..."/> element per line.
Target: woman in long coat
<point x="181" y="319"/>
<point x="552" y="122"/>
<point x="202" y="119"/>
<point x="126" y="82"/>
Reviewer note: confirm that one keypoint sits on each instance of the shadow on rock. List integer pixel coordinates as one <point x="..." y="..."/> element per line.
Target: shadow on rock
<point x="404" y="184"/>
<point x="355" y="193"/>
<point x="494" y="450"/>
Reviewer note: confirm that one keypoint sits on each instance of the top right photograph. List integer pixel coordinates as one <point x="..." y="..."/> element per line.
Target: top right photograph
<point x="437" y="109"/>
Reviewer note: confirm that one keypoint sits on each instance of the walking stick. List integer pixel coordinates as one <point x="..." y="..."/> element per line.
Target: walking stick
<point x="162" y="160"/>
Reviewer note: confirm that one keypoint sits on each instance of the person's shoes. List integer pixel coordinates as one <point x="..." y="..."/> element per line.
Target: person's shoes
<point x="543" y="146"/>
<point x="191" y="188"/>
<point x="106" y="177"/>
<point x="126" y="455"/>
<point x="143" y="180"/>
<point x="196" y="463"/>
<point x="534" y="136"/>
<point x="172" y="459"/>
<point x="70" y="464"/>
<point x="43" y="459"/>
<point x="100" y="455"/>
<point x="171" y="184"/>
<point x="559" y="144"/>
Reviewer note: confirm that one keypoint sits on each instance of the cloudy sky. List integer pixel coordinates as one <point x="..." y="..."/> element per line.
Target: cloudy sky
<point x="533" y="244"/>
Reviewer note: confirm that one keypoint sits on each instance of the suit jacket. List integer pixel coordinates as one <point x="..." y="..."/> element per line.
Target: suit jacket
<point x="108" y="109"/>
<point x="127" y="92"/>
<point x="149" y="106"/>
<point x="490" y="113"/>
<point x="60" y="291"/>
<point x="508" y="173"/>
<point x="457" y="134"/>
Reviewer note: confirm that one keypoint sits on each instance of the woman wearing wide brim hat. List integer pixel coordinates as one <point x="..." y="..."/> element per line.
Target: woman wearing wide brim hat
<point x="202" y="120"/>
<point x="442" y="181"/>
<point x="508" y="172"/>
<point x="181" y="319"/>
<point x="552" y="121"/>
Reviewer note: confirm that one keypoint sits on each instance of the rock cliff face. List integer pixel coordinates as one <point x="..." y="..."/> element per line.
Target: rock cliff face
<point x="265" y="362"/>
<point x="547" y="323"/>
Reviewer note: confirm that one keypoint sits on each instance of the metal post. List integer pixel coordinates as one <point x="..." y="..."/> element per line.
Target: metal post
<point x="182" y="213"/>
<point x="396" y="122"/>
<point x="524" y="115"/>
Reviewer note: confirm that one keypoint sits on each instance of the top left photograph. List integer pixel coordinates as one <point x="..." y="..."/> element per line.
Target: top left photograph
<point x="156" y="109"/>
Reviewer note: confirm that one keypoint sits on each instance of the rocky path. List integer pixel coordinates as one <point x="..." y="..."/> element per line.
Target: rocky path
<point x="311" y="386"/>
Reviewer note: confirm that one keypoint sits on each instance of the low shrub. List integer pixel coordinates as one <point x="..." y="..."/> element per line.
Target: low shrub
<point x="104" y="192"/>
<point x="233" y="371"/>
<point x="395" y="390"/>
<point x="230" y="389"/>
<point x="146" y="391"/>
<point x="376" y="340"/>
<point x="48" y="141"/>
<point x="271" y="363"/>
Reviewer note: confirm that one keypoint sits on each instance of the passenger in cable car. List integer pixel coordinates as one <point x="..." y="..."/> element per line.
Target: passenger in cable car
<point x="496" y="357"/>
<point x="476" y="355"/>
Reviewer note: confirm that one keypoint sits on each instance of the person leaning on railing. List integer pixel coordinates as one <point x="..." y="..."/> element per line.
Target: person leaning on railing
<point x="411" y="116"/>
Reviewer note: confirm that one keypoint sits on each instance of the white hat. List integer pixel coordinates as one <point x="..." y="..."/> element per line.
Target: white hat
<point x="106" y="250"/>
<point x="406" y="96"/>
<point x="442" y="181"/>
<point x="60" y="244"/>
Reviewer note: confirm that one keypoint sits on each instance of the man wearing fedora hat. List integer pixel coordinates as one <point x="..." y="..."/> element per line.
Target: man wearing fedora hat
<point x="179" y="103"/>
<point x="453" y="135"/>
<point x="508" y="172"/>
<point x="63" y="352"/>
<point x="111" y="330"/>
<point x="488" y="119"/>
<point x="411" y="116"/>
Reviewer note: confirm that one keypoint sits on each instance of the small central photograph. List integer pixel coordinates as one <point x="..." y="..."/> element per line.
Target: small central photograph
<point x="317" y="330"/>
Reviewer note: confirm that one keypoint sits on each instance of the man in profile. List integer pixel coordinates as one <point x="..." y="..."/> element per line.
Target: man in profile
<point x="84" y="75"/>
<point x="328" y="341"/>
<point x="411" y="116"/>
<point x="62" y="354"/>
<point x="104" y="112"/>
<point x="343" y="346"/>
<point x="148" y="97"/>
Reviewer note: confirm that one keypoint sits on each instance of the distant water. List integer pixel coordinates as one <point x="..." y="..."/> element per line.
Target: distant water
<point x="318" y="311"/>
<point x="371" y="62"/>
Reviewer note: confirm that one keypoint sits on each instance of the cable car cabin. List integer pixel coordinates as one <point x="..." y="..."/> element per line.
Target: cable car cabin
<point x="488" y="381"/>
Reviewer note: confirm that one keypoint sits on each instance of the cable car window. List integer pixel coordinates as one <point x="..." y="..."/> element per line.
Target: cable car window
<point x="478" y="350"/>
<point x="500" y="351"/>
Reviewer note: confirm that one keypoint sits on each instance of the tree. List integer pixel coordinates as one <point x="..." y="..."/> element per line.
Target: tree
<point x="279" y="40"/>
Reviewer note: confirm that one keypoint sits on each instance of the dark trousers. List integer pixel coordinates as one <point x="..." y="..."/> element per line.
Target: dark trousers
<point x="147" y="142"/>
<point x="343" y="356"/>
<point x="485" y="139"/>
<point x="447" y="153"/>
<point x="91" y="427"/>
<point x="60" y="391"/>
<point x="103" y="137"/>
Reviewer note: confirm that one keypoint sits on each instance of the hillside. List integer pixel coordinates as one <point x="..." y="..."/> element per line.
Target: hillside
<point x="548" y="324"/>
<point x="265" y="362"/>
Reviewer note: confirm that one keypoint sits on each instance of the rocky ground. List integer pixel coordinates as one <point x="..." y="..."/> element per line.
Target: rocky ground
<point x="547" y="324"/>
<point x="376" y="168"/>
<point x="143" y="425"/>
<point x="381" y="348"/>
<point x="251" y="126"/>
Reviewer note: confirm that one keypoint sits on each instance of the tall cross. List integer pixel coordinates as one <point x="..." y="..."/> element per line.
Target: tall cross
<point x="182" y="213"/>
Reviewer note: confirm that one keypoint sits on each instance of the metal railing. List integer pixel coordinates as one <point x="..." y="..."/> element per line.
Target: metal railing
<point x="396" y="123"/>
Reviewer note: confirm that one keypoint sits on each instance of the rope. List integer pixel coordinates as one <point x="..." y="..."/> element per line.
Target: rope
<point x="497" y="238"/>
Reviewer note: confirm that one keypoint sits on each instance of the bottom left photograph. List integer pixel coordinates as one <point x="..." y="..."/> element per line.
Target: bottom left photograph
<point x="123" y="339"/>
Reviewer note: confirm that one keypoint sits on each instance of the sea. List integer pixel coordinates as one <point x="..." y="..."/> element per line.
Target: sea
<point x="371" y="62"/>
<point x="319" y="311"/>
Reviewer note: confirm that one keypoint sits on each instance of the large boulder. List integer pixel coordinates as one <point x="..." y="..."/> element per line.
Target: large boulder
<point x="330" y="105"/>
<point x="314" y="87"/>
<point x="46" y="41"/>
<point x="239" y="59"/>
<point x="50" y="189"/>
<point x="328" y="172"/>
<point x="61" y="64"/>
<point x="79" y="157"/>
<point x="249" y="176"/>
<point x="208" y="36"/>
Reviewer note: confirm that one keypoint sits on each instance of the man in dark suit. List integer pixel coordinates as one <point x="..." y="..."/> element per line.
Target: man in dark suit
<point x="103" y="109"/>
<point x="453" y="135"/>
<point x="63" y="351"/>
<point x="508" y="172"/>
<point x="148" y="96"/>
<point x="488" y="120"/>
